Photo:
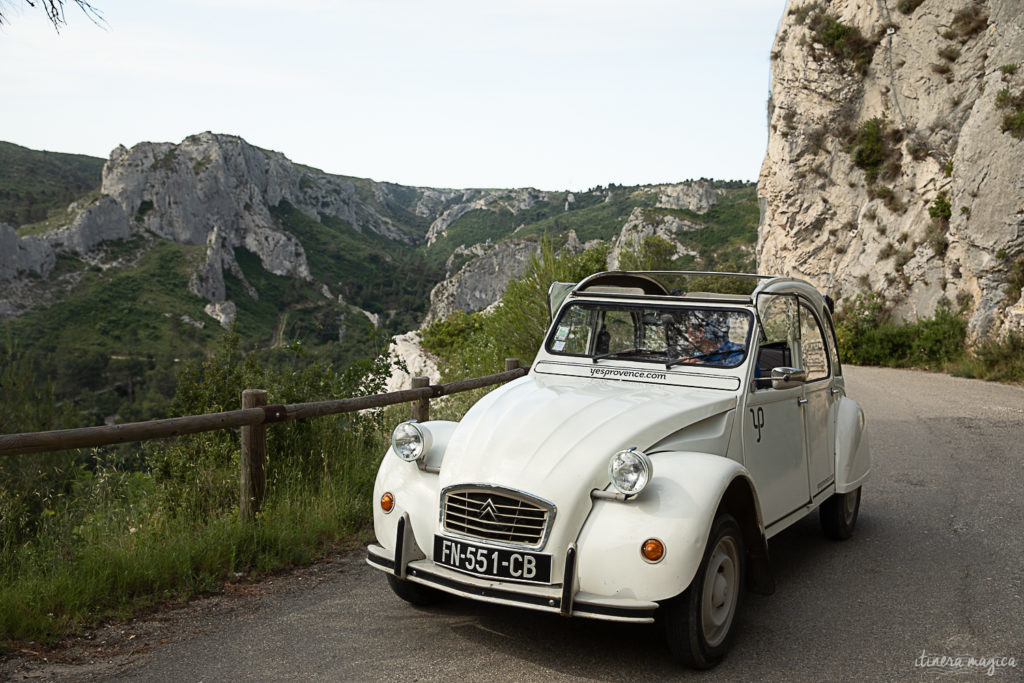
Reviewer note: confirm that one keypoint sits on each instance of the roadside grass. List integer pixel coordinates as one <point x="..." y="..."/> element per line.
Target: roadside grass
<point x="97" y="535"/>
<point x="96" y="564"/>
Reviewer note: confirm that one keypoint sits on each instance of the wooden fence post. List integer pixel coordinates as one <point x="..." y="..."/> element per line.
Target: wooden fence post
<point x="421" y="406"/>
<point x="511" y="364"/>
<point x="254" y="458"/>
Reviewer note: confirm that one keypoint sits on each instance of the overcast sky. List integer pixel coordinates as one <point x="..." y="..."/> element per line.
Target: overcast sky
<point x="554" y="94"/>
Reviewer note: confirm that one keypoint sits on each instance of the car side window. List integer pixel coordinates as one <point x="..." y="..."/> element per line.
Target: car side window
<point x="780" y="333"/>
<point x="813" y="353"/>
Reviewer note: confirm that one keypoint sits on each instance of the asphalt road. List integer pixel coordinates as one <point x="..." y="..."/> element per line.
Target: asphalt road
<point x="935" y="568"/>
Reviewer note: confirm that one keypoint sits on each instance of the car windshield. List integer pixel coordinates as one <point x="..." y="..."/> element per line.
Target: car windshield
<point x="672" y="335"/>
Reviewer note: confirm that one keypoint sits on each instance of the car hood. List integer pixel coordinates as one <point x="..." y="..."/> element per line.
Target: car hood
<point x="552" y="437"/>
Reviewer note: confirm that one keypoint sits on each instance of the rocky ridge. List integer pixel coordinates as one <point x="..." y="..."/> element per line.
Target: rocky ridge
<point x="894" y="175"/>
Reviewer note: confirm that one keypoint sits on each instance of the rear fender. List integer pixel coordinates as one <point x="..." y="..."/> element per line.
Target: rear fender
<point x="853" y="454"/>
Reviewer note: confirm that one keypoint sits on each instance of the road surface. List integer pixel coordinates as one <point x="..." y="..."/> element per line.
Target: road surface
<point x="935" y="569"/>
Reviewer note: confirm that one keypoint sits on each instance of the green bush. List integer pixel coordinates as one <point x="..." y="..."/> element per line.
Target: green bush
<point x="995" y="359"/>
<point x="873" y="149"/>
<point x="941" y="209"/>
<point x="845" y="42"/>
<point x="867" y="335"/>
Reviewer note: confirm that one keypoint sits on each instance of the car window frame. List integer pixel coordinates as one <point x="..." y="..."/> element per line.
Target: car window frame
<point x="639" y="307"/>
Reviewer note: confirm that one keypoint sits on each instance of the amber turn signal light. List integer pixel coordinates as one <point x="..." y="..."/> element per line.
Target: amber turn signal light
<point x="653" y="550"/>
<point x="387" y="502"/>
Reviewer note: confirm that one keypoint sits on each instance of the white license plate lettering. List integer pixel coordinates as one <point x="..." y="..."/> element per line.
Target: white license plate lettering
<point x="491" y="563"/>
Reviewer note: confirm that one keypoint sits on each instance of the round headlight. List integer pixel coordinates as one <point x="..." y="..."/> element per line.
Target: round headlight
<point x="407" y="441"/>
<point x="630" y="470"/>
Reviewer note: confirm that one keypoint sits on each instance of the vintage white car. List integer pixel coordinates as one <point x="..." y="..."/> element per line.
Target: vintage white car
<point x="659" y="440"/>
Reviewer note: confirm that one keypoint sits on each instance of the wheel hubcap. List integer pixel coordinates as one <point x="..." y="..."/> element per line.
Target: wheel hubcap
<point x="720" y="591"/>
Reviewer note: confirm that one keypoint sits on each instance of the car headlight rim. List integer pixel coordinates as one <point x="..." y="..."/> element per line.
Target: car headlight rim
<point x="408" y="441"/>
<point x="630" y="471"/>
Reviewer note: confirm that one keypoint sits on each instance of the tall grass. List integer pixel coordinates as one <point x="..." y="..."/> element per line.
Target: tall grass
<point x="104" y="533"/>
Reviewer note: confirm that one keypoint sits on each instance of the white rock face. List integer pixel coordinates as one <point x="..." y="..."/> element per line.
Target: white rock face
<point x="21" y="255"/>
<point x="696" y="196"/>
<point x="223" y="312"/>
<point x="823" y="222"/>
<point x="482" y="280"/>
<point x="406" y="348"/>
<point x="515" y="201"/>
<point x="99" y="222"/>
<point x="637" y="228"/>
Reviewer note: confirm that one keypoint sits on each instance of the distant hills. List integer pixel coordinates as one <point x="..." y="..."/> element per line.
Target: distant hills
<point x="111" y="272"/>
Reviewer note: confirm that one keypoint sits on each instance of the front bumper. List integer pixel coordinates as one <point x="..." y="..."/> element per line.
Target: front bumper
<point x="555" y="598"/>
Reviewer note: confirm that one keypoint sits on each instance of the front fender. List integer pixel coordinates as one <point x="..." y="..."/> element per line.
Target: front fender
<point x="678" y="508"/>
<point x="853" y="453"/>
<point x="415" y="490"/>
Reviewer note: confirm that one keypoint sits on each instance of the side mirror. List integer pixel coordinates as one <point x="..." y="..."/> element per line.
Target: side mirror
<point x="787" y="378"/>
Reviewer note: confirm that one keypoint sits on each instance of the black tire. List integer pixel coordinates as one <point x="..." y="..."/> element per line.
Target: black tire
<point x="699" y="624"/>
<point x="414" y="593"/>
<point x="838" y="514"/>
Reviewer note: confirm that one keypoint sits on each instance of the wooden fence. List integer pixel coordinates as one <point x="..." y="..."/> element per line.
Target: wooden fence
<point x="252" y="418"/>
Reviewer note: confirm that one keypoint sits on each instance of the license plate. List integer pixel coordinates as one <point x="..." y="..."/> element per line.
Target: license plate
<point x="495" y="563"/>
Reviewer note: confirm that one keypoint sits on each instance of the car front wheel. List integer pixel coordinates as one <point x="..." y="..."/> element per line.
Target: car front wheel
<point x="699" y="623"/>
<point x="838" y="514"/>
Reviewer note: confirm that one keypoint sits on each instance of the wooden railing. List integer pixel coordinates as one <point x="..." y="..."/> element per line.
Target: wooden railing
<point x="253" y="417"/>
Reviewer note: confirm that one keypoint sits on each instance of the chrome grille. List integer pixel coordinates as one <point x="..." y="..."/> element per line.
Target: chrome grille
<point x="497" y="515"/>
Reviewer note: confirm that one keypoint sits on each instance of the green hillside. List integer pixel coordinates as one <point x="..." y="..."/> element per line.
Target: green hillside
<point x="33" y="183"/>
<point x="123" y="321"/>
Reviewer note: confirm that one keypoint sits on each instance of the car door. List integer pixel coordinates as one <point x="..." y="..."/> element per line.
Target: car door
<point x="773" y="429"/>
<point x="819" y="401"/>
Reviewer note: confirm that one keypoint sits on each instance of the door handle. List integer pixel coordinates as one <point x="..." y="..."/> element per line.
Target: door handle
<point x="801" y="401"/>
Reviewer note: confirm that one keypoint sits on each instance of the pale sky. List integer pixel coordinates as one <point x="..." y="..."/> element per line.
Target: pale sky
<point x="553" y="94"/>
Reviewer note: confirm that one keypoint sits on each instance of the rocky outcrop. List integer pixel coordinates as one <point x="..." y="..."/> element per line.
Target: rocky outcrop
<point x="101" y="221"/>
<point x="22" y="255"/>
<point x="223" y="312"/>
<point x="888" y="167"/>
<point x="643" y="224"/>
<point x="482" y="280"/>
<point x="514" y="201"/>
<point x="697" y="196"/>
<point x="405" y="350"/>
<point x="93" y="224"/>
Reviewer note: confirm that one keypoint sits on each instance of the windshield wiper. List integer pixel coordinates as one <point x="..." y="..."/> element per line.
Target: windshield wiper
<point x="616" y="354"/>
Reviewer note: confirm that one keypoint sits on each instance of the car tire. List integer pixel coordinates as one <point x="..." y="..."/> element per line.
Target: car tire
<point x="838" y="514"/>
<point x="414" y="593"/>
<point x="699" y="624"/>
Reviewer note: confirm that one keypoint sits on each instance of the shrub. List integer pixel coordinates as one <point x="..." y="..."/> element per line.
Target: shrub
<point x="994" y="359"/>
<point x="868" y="148"/>
<point x="801" y="13"/>
<point x="1015" y="282"/>
<point x="940" y="209"/>
<point x="867" y="335"/>
<point x="968" y="21"/>
<point x="950" y="53"/>
<point x="1009" y="69"/>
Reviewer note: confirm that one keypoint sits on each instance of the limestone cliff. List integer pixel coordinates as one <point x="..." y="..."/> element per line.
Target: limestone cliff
<point x="641" y="226"/>
<point x="482" y="280"/>
<point x="895" y="159"/>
